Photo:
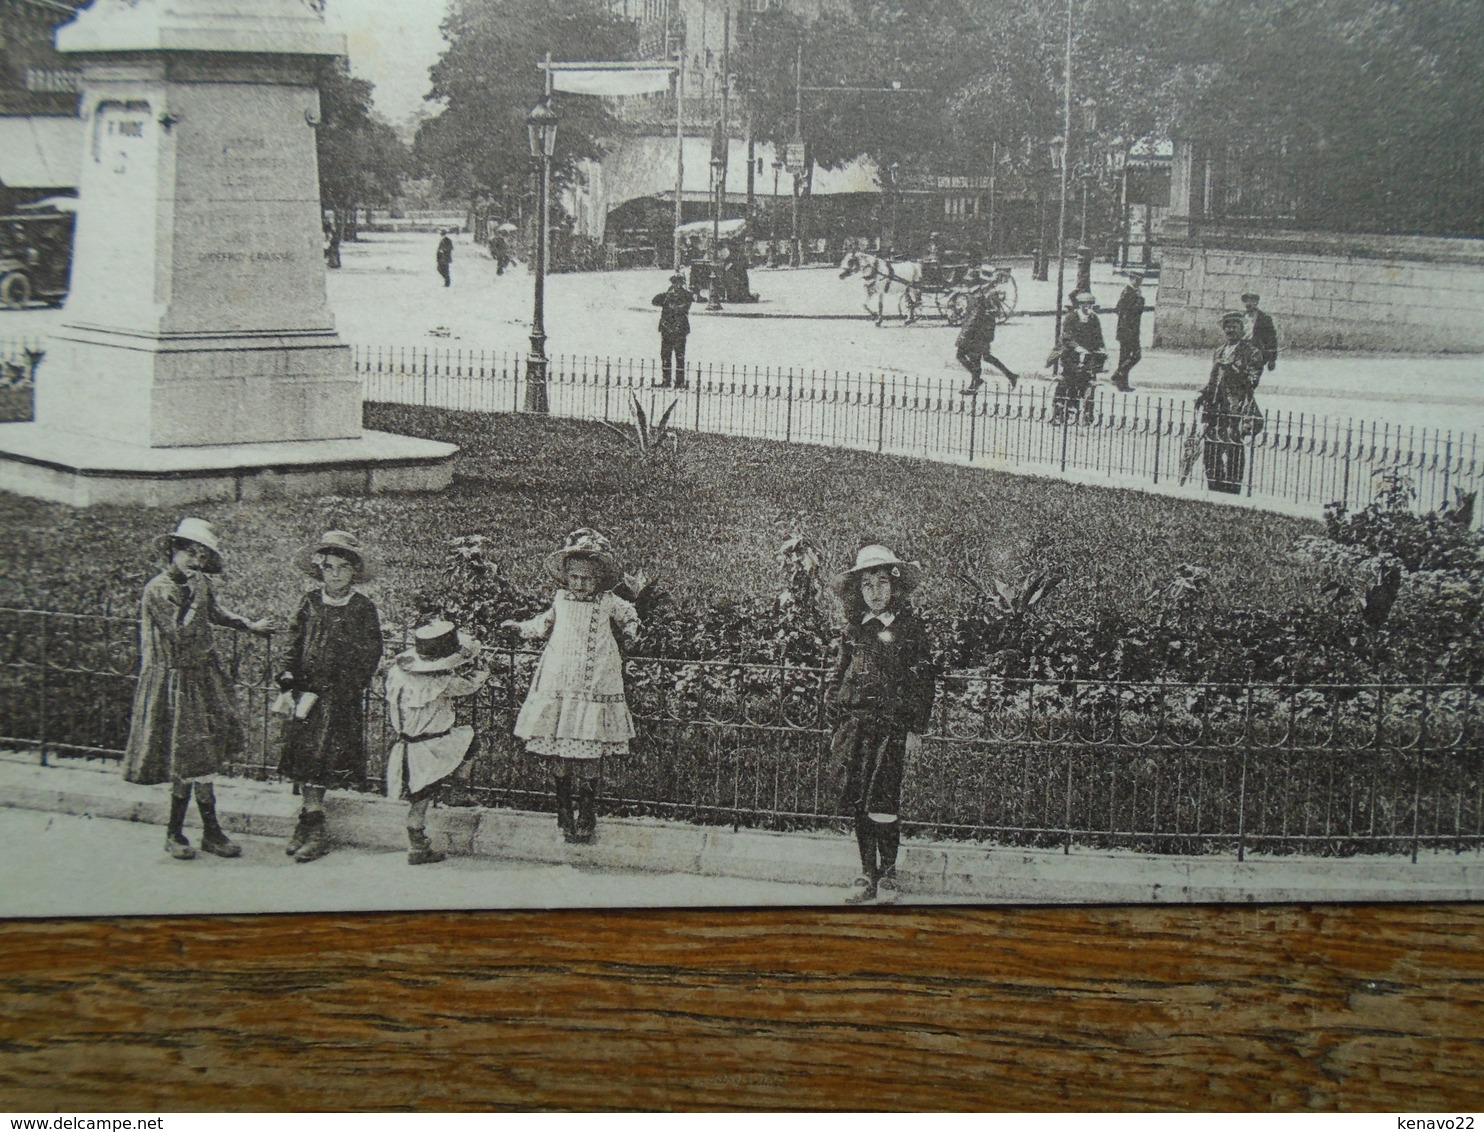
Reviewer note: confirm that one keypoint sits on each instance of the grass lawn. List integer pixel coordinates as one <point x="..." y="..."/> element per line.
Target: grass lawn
<point x="708" y="528"/>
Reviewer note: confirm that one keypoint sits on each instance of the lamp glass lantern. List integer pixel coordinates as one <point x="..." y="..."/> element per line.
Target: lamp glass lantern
<point x="541" y="126"/>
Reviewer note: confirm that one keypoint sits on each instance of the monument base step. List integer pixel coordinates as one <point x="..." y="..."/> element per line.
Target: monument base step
<point x="45" y="462"/>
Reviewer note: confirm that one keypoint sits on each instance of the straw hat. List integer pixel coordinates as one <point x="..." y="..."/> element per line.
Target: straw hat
<point x="438" y="646"/>
<point x="197" y="531"/>
<point x="342" y="544"/>
<point x="877" y="557"/>
<point x="1083" y="297"/>
<point x="589" y="544"/>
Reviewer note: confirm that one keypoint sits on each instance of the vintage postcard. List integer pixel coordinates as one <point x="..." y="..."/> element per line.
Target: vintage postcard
<point x="489" y="454"/>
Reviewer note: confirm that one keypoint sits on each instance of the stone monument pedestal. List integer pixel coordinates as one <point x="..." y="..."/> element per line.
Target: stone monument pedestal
<point x="198" y="357"/>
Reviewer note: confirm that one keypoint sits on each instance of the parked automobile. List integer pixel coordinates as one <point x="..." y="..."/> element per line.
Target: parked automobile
<point x="35" y="256"/>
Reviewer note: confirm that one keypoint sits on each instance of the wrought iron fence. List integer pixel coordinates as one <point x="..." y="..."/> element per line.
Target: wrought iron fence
<point x="1156" y="767"/>
<point x="1126" y="441"/>
<point x="17" y="379"/>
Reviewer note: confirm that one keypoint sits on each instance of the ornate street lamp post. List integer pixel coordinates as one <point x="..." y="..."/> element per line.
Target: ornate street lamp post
<point x="718" y="183"/>
<point x="1061" y="220"/>
<point x="541" y="125"/>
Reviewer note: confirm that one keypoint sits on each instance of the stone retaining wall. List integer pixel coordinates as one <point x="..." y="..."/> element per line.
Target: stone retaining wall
<point x="1364" y="294"/>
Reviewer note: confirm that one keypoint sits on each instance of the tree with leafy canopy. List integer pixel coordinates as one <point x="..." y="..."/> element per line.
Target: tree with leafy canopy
<point x="488" y="80"/>
<point x="1365" y="111"/>
<point x="361" y="159"/>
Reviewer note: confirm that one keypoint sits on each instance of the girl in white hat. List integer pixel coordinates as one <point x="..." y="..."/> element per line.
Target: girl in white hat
<point x="884" y="681"/>
<point x="575" y="712"/>
<point x="185" y="727"/>
<point x="334" y="649"/>
<point x="421" y="686"/>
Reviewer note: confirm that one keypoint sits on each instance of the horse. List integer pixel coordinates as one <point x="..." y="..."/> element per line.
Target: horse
<point x="901" y="278"/>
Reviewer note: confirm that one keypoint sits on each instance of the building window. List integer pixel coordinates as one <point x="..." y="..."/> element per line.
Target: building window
<point x="960" y="207"/>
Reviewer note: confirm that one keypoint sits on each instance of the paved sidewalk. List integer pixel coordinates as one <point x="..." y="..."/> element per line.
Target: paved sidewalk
<point x="932" y="872"/>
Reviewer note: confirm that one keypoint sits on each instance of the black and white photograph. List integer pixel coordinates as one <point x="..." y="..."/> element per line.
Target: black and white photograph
<point x="526" y="454"/>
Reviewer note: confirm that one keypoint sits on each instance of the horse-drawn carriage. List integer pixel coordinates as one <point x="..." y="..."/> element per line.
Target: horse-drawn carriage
<point x="728" y="259"/>
<point x="915" y="285"/>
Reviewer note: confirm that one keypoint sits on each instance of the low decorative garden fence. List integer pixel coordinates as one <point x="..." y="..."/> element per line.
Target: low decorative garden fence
<point x="1127" y="441"/>
<point x="1219" y="767"/>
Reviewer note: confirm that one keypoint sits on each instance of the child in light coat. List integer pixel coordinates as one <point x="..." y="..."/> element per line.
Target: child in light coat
<point x="575" y="713"/>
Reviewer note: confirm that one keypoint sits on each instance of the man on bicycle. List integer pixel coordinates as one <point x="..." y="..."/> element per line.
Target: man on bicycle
<point x="1082" y="354"/>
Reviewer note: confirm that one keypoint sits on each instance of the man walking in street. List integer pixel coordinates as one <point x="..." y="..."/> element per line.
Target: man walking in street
<point x="674" y="305"/>
<point x="1130" y="311"/>
<point x="976" y="340"/>
<point x="445" y="257"/>
<point x="1259" y="330"/>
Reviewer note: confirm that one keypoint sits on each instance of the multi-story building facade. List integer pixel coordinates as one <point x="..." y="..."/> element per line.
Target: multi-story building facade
<point x="40" y="135"/>
<point x="629" y="196"/>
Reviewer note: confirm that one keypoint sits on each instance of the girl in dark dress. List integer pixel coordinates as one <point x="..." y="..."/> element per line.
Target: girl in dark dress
<point x="883" y="681"/>
<point x="185" y="727"/>
<point x="334" y="648"/>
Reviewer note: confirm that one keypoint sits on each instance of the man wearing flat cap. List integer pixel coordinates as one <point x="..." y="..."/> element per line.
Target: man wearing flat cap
<point x="674" y="305"/>
<point x="1259" y="329"/>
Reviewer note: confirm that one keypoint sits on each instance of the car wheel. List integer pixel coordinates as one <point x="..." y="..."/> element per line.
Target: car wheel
<point x="15" y="290"/>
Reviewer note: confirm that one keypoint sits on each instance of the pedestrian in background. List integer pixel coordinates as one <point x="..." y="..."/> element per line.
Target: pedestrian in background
<point x="674" y="304"/>
<point x="185" y="728"/>
<point x="975" y="342"/>
<point x="884" y="682"/>
<point x="421" y="687"/>
<point x="1130" y="310"/>
<point x="334" y="649"/>
<point x="500" y="251"/>
<point x="1228" y="409"/>
<point x="1259" y="329"/>
<point x="575" y="713"/>
<point x="445" y="257"/>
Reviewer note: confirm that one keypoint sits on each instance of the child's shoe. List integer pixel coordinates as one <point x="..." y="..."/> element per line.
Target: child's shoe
<point x="316" y="839"/>
<point x="220" y="845"/>
<point x="422" y="851"/>
<point x="175" y="839"/>
<point x="178" y="847"/>
<point x="299" y="836"/>
<point x="214" y="839"/>
<point x="863" y="892"/>
<point x="585" y="830"/>
<point x="566" y="808"/>
<point x="887" y="891"/>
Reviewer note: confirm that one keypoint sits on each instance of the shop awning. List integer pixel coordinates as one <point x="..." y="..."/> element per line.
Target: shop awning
<point x="40" y="153"/>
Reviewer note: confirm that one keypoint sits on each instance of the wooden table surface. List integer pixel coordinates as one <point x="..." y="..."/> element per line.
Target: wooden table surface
<point x="1281" y="1007"/>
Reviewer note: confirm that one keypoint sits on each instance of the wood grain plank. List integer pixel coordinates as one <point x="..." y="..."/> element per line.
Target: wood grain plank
<point x="1335" y="1007"/>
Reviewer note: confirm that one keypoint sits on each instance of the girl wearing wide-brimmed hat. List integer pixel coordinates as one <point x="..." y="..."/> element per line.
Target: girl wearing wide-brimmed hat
<point x="334" y="648"/>
<point x="575" y="713"/>
<point x="884" y="682"/>
<point x="185" y="727"/>
<point x="421" y="686"/>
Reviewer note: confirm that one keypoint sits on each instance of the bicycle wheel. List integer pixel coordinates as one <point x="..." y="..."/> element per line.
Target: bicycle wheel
<point x="1009" y="296"/>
